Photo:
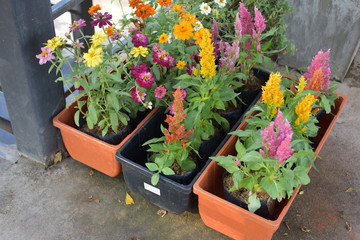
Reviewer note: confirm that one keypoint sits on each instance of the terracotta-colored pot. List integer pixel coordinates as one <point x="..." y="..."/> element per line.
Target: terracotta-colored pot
<point x="233" y="220"/>
<point x="87" y="149"/>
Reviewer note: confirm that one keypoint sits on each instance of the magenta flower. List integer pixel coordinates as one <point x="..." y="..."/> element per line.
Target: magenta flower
<point x="237" y="162"/>
<point x="160" y="92"/>
<point x="259" y="21"/>
<point x="77" y="25"/>
<point x="183" y="94"/>
<point x="140" y="39"/>
<point x="101" y="20"/>
<point x="145" y="80"/>
<point x="116" y="36"/>
<point x="137" y="95"/>
<point x="276" y="139"/>
<point x="214" y="31"/>
<point x="136" y="70"/>
<point x="189" y="69"/>
<point x="45" y="56"/>
<point x="321" y="60"/>
<point x="163" y="58"/>
<point x="229" y="56"/>
<point x="246" y="20"/>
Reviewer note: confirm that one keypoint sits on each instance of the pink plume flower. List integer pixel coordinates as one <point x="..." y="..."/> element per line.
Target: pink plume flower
<point x="246" y="20"/>
<point x="284" y="151"/>
<point x="238" y="27"/>
<point x="259" y="21"/>
<point x="321" y="60"/>
<point x="229" y="56"/>
<point x="214" y="31"/>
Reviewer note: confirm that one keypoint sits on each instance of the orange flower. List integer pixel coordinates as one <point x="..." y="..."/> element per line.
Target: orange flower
<point x="144" y="11"/>
<point x="188" y="17"/>
<point x="135" y="3"/>
<point x="316" y="82"/>
<point x="183" y="30"/>
<point x="164" y="38"/>
<point x="164" y="3"/>
<point x="94" y="9"/>
<point x="198" y="37"/>
<point x="177" y="8"/>
<point x="181" y="64"/>
<point x="109" y="31"/>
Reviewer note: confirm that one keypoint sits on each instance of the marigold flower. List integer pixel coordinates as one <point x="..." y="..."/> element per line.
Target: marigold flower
<point x="135" y="3"/>
<point x="164" y="3"/>
<point x="183" y="30"/>
<point x="98" y="38"/>
<point x="271" y="94"/>
<point x="144" y="11"/>
<point x="303" y="109"/>
<point x="160" y="92"/>
<point x="93" y="57"/>
<point x="94" y="9"/>
<point x="136" y="51"/>
<point x="164" y="38"/>
<point x="177" y="8"/>
<point x="207" y="61"/>
<point x="181" y="64"/>
<point x="54" y="43"/>
<point x="205" y="8"/>
<point x="45" y="56"/>
<point x="109" y="31"/>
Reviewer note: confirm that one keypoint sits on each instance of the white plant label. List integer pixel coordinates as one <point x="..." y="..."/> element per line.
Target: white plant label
<point x="151" y="188"/>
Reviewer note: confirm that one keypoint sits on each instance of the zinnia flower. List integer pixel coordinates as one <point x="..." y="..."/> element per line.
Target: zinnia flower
<point x="160" y="92"/>
<point x="77" y="25"/>
<point x="101" y="20"/>
<point x="177" y="8"/>
<point x="144" y="11"/>
<point x="136" y="70"/>
<point x="93" y="57"/>
<point x="136" y="51"/>
<point x="137" y="95"/>
<point x="221" y="3"/>
<point x="164" y="38"/>
<point x="205" y="8"/>
<point x="303" y="109"/>
<point x="135" y="3"/>
<point x="183" y="30"/>
<point x="145" y="80"/>
<point x="94" y="9"/>
<point x="109" y="31"/>
<point x="140" y="39"/>
<point x="54" y="43"/>
<point x="77" y="44"/>
<point x="164" y="3"/>
<point x="45" y="56"/>
<point x="180" y="64"/>
<point x="98" y="38"/>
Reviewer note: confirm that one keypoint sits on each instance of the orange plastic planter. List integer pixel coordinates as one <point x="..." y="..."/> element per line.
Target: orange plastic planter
<point x="87" y="149"/>
<point x="235" y="221"/>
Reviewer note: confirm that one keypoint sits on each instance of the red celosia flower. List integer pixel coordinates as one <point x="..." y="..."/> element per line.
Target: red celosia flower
<point x="144" y="11"/>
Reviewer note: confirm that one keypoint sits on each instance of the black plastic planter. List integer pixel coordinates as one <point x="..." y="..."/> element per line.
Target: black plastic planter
<point x="167" y="194"/>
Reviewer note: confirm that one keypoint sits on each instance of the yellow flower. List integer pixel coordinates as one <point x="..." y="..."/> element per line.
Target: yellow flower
<point x="302" y="84"/>
<point x="183" y="30"/>
<point x="164" y="38"/>
<point x="136" y="51"/>
<point x="303" y="109"/>
<point x="98" y="38"/>
<point x="93" y="57"/>
<point x="195" y="72"/>
<point x="109" y="31"/>
<point x="181" y="64"/>
<point x="271" y="94"/>
<point x="177" y="8"/>
<point x="54" y="43"/>
<point x="207" y="60"/>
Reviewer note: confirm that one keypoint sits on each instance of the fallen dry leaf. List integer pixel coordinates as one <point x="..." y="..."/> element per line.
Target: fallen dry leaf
<point x="348" y="226"/>
<point x="94" y="200"/>
<point x="305" y="229"/>
<point x="285" y="234"/>
<point x="129" y="200"/>
<point x="58" y="157"/>
<point x="349" y="189"/>
<point x="91" y="172"/>
<point x="161" y="212"/>
<point x="298" y="214"/>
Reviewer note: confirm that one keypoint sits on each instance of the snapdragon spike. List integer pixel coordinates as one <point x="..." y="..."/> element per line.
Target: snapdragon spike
<point x="321" y="60"/>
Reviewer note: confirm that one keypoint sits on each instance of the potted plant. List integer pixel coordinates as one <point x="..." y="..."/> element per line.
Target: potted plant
<point x="271" y="152"/>
<point x="103" y="92"/>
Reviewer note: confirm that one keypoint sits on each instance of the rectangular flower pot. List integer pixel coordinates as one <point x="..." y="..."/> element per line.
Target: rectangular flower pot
<point x="89" y="150"/>
<point x="233" y="220"/>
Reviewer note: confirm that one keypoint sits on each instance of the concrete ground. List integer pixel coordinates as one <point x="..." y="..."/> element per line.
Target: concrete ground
<point x="71" y="201"/>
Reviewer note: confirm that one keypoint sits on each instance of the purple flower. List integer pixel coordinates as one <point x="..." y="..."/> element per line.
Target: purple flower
<point x="214" y="31"/>
<point x="101" y="20"/>
<point x="136" y="95"/>
<point x="160" y="92"/>
<point x="259" y="21"/>
<point x="163" y="58"/>
<point x="140" y="39"/>
<point x="321" y="60"/>
<point x="136" y="70"/>
<point x="45" y="56"/>
<point x="77" y="25"/>
<point x="116" y="36"/>
<point x="189" y="69"/>
<point x="229" y="56"/>
<point x="183" y="94"/>
<point x="145" y="80"/>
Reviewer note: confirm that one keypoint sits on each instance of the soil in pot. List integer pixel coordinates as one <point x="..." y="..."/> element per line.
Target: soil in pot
<point x="240" y="198"/>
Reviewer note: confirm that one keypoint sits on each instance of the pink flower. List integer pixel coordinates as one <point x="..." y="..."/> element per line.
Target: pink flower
<point x="140" y="39"/>
<point x="214" y="31"/>
<point x="136" y="70"/>
<point x="284" y="151"/>
<point x="183" y="94"/>
<point x="101" y="20"/>
<point x="238" y="27"/>
<point x="77" y="25"/>
<point x="259" y="21"/>
<point x="321" y="60"/>
<point x="229" y="56"/>
<point x="145" y="79"/>
<point x="136" y="95"/>
<point x="163" y="58"/>
<point x="160" y="92"/>
<point x="45" y="56"/>
<point x="246" y="20"/>
<point x="237" y="162"/>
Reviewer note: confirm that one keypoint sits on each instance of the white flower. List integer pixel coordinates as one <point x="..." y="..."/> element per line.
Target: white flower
<point x="148" y="105"/>
<point x="205" y="9"/>
<point x="221" y="3"/>
<point x="197" y="26"/>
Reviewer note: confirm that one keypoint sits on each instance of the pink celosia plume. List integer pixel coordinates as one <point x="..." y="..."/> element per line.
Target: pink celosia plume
<point x="321" y="60"/>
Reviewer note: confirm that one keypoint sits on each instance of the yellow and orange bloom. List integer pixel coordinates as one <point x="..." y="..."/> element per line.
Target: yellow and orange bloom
<point x="164" y="3"/>
<point x="144" y="11"/>
<point x="94" y="9"/>
<point x="272" y="95"/>
<point x="177" y="8"/>
<point x="163" y="38"/>
<point x="302" y="84"/>
<point x="54" y="43"/>
<point x="135" y="3"/>
<point x="109" y="31"/>
<point x="207" y="61"/>
<point x="304" y="108"/>
<point x="183" y="30"/>
<point x="198" y="37"/>
<point x="93" y="57"/>
<point x="181" y="64"/>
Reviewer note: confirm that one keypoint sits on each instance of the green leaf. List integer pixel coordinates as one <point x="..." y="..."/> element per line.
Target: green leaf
<point x="92" y="113"/>
<point x="325" y="103"/>
<point x="241" y="151"/>
<point x="301" y="175"/>
<point x="152" y="166"/>
<point x="155" y="179"/>
<point x="156" y="72"/>
<point x="242" y="133"/>
<point x="77" y="117"/>
<point x="187" y="165"/>
<point x="114" y="121"/>
<point x="168" y="171"/>
<point x="227" y="162"/>
<point x="115" y="102"/>
<point x="237" y="178"/>
<point x="254" y="203"/>
<point x="272" y="187"/>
